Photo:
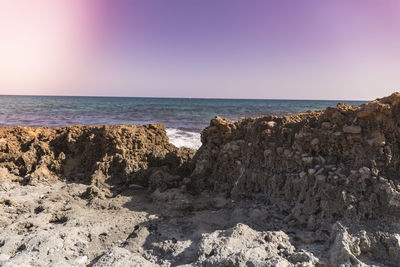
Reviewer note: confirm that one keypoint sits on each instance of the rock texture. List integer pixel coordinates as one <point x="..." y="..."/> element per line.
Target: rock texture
<point x="319" y="188"/>
<point x="319" y="167"/>
<point x="108" y="155"/>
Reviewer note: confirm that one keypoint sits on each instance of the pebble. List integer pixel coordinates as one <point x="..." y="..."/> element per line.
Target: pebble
<point x="81" y="260"/>
<point x="353" y="129"/>
<point x="153" y="217"/>
<point x="315" y="142"/>
<point x="364" y="170"/>
<point x="271" y="124"/>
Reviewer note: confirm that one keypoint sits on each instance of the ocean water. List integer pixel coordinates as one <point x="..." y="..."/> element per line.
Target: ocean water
<point x="184" y="118"/>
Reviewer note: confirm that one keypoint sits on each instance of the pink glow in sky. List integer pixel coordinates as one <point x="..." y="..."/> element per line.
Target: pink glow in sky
<point x="310" y="49"/>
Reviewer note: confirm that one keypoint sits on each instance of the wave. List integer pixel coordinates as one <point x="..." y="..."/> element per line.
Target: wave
<point x="182" y="138"/>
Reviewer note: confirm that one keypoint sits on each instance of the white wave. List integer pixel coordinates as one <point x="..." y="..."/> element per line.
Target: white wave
<point x="181" y="138"/>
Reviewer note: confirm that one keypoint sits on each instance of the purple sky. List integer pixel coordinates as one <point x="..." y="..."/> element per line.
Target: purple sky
<point x="309" y="49"/>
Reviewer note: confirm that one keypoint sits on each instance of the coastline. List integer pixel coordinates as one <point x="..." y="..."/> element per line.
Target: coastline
<point x="314" y="188"/>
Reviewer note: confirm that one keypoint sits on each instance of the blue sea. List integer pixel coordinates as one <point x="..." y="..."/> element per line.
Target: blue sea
<point x="184" y="118"/>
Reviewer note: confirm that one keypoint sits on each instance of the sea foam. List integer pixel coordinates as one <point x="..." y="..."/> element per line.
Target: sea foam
<point x="182" y="138"/>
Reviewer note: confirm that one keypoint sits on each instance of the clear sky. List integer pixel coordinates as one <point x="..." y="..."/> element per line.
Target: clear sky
<point x="290" y="49"/>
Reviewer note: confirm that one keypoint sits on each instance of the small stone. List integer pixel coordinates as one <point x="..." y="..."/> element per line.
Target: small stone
<point x="302" y="175"/>
<point x="364" y="171"/>
<point x="81" y="260"/>
<point x="153" y="217"/>
<point x="311" y="171"/>
<point x="315" y="142"/>
<point x="353" y="129"/>
<point x="271" y="124"/>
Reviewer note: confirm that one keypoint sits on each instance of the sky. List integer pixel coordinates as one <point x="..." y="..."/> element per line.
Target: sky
<point x="269" y="49"/>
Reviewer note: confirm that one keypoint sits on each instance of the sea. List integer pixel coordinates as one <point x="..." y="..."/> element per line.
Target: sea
<point x="184" y="118"/>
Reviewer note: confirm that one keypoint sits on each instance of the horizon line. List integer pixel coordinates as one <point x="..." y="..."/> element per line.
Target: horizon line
<point x="200" y="98"/>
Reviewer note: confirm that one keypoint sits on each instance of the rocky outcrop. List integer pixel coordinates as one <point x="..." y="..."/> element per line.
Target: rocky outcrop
<point x="318" y="167"/>
<point x="319" y="188"/>
<point x="108" y="155"/>
<point x="340" y="162"/>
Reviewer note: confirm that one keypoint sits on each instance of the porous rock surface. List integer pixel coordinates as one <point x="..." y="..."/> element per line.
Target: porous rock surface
<point x="319" y="188"/>
<point x="106" y="155"/>
<point x="319" y="167"/>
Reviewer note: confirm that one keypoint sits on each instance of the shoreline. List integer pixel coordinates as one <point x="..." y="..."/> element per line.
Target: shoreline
<point x="314" y="188"/>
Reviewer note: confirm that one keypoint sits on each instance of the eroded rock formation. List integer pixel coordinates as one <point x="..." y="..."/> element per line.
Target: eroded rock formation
<point x="108" y="155"/>
<point x="316" y="188"/>
<point x="319" y="167"/>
